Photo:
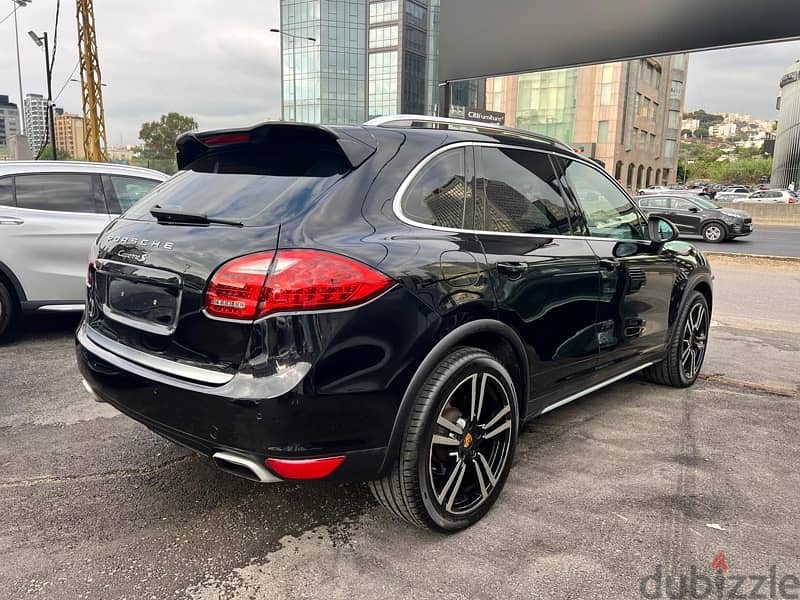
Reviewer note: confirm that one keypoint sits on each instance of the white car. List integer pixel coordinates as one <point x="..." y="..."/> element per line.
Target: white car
<point x="654" y="189"/>
<point x="50" y="214"/>
<point x="770" y="197"/>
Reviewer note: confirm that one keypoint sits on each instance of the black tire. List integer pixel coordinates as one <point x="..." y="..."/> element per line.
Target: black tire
<point x="714" y="232"/>
<point x="409" y="490"/>
<point x="672" y="370"/>
<point x="9" y="313"/>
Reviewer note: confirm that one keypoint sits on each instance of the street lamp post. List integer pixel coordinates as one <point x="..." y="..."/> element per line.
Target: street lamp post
<point x="18" y="3"/>
<point x="42" y="41"/>
<point x="294" y="66"/>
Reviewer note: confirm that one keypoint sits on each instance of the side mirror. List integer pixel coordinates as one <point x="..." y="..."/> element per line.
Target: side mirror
<point x="661" y="231"/>
<point x="694" y="209"/>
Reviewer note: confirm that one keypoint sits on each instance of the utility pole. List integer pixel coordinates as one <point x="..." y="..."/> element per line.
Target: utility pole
<point x="49" y="71"/>
<point x="16" y="4"/>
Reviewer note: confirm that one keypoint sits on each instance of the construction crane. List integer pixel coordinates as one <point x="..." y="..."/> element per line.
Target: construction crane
<point x="91" y="85"/>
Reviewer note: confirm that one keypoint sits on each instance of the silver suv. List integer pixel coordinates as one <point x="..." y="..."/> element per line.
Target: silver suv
<point x="50" y="213"/>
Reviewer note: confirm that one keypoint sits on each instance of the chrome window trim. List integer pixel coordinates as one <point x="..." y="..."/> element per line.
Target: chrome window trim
<point x="398" y="197"/>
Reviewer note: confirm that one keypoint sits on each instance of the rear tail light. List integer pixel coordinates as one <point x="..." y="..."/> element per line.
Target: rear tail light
<point x="310" y="468"/>
<point x="290" y="280"/>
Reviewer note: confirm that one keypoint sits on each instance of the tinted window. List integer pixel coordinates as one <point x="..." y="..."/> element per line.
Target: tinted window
<point x="518" y="192"/>
<point x="7" y="191"/>
<point x="774" y="195"/>
<point x="438" y="195"/>
<point x="609" y="212"/>
<point x="253" y="185"/>
<point x="681" y="204"/>
<point x="129" y="190"/>
<point x="654" y="203"/>
<point x="67" y="192"/>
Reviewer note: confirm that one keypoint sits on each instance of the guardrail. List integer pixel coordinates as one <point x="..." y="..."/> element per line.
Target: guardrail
<point x="769" y="214"/>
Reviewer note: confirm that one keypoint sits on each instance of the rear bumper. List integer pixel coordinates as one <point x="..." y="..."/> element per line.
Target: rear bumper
<point x="292" y="425"/>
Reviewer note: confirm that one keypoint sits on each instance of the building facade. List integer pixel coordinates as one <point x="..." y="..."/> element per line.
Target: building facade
<point x="324" y="81"/>
<point x="786" y="159"/>
<point x="370" y="58"/>
<point x="35" y="115"/>
<point x="70" y="135"/>
<point x="626" y="115"/>
<point x="723" y="130"/>
<point x="9" y="124"/>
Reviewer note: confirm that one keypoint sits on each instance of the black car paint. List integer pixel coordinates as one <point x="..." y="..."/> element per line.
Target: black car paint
<point x="365" y="363"/>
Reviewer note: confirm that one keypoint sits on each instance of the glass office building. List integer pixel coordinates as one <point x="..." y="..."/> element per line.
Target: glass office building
<point x="399" y="45"/>
<point x="324" y="81"/>
<point x="786" y="163"/>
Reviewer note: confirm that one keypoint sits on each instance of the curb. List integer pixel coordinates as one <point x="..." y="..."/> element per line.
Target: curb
<point x="786" y="259"/>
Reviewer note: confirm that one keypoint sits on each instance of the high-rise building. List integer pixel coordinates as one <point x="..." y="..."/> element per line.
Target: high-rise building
<point x="786" y="160"/>
<point x="9" y="124"/>
<point x="35" y="115"/>
<point x="626" y="115"/>
<point x="70" y="135"/>
<point x="324" y="81"/>
<point x="370" y="58"/>
<point x="402" y="56"/>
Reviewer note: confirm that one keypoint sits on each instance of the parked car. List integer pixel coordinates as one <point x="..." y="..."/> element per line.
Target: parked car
<point x="654" y="189"/>
<point x="771" y="197"/>
<point x="50" y="213"/>
<point x="696" y="215"/>
<point x="732" y="194"/>
<point x="384" y="303"/>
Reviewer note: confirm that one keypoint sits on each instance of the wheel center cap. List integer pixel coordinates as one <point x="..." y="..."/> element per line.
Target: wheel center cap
<point x="468" y="439"/>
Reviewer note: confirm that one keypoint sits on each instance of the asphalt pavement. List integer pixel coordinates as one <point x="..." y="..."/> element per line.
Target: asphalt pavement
<point x="767" y="240"/>
<point x="606" y="493"/>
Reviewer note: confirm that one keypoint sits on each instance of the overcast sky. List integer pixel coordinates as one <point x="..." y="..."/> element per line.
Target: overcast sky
<point x="217" y="62"/>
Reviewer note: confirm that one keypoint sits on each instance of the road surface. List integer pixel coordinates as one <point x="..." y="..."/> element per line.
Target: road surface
<point x="769" y="240"/>
<point x="606" y="492"/>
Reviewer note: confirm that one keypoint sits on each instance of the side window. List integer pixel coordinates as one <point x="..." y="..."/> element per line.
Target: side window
<point x="681" y="204"/>
<point x="774" y="195"/>
<point x="609" y="212"/>
<point x="128" y="190"/>
<point x="438" y="195"/>
<point x="655" y="203"/>
<point x="518" y="192"/>
<point x="6" y="191"/>
<point x="66" y="192"/>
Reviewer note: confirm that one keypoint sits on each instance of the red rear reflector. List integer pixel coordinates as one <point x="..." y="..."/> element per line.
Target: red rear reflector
<point x="299" y="280"/>
<point x="310" y="468"/>
<point x="226" y="138"/>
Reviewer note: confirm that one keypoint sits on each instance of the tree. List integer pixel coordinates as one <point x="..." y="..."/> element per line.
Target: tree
<point x="47" y="154"/>
<point x="159" y="136"/>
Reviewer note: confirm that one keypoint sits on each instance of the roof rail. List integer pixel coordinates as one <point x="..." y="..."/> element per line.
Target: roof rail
<point x="393" y="120"/>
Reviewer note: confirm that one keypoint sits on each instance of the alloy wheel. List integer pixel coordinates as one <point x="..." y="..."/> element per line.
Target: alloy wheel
<point x="713" y="233"/>
<point x="693" y="343"/>
<point x="470" y="444"/>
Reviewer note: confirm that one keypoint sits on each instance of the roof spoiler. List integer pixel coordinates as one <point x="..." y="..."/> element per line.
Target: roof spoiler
<point x="355" y="143"/>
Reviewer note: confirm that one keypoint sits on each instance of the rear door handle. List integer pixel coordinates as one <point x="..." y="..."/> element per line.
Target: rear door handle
<point x="609" y="264"/>
<point x="514" y="270"/>
<point x="11" y="221"/>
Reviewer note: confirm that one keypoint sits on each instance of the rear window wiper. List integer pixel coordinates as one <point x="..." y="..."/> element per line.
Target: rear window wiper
<point x="171" y="215"/>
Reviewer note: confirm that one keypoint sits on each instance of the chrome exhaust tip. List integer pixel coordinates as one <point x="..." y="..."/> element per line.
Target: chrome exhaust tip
<point x="241" y="466"/>
<point x="91" y="391"/>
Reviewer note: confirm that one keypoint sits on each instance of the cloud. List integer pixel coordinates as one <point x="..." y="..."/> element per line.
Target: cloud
<point x="215" y="61"/>
<point x="218" y="62"/>
<point x="743" y="80"/>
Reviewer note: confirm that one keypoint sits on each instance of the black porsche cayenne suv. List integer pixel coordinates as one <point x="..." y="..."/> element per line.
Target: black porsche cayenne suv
<point x="383" y="303"/>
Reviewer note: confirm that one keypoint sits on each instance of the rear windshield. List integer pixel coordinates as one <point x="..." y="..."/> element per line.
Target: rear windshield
<point x="254" y="185"/>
